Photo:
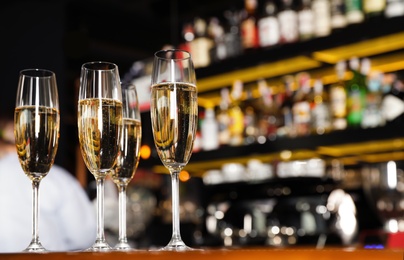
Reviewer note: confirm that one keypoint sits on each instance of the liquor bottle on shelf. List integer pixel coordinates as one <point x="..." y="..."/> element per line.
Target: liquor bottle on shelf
<point x="268" y="26"/>
<point x="338" y="17"/>
<point x="197" y="146"/>
<point x="236" y="126"/>
<point x="216" y="33"/>
<point x="223" y="117"/>
<point x="394" y="8"/>
<point x="305" y="20"/>
<point x="356" y="91"/>
<point x="210" y="130"/>
<point x="197" y="142"/>
<point x="188" y="36"/>
<point x="201" y="45"/>
<point x="322" y="17"/>
<point x="248" y="25"/>
<point x="338" y="98"/>
<point x="372" y="115"/>
<point x="374" y="8"/>
<point x="392" y="106"/>
<point x="286" y="128"/>
<point x="269" y="115"/>
<point x="387" y="83"/>
<point x="301" y="106"/>
<point x="288" y="22"/>
<point x="353" y="11"/>
<point x="320" y="111"/>
<point x="232" y="37"/>
<point x="250" y="119"/>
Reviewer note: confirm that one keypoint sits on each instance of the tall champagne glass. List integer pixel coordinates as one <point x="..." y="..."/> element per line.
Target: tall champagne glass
<point x="99" y="129"/>
<point x="128" y="157"/>
<point x="36" y="131"/>
<point x="174" y="112"/>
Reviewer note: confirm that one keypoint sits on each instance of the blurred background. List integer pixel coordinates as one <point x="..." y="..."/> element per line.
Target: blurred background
<point x="301" y="113"/>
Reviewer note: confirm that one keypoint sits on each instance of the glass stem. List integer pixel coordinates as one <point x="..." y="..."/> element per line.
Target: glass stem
<point x="100" y="209"/>
<point x="35" y="211"/>
<point x="176" y="236"/>
<point x="122" y="214"/>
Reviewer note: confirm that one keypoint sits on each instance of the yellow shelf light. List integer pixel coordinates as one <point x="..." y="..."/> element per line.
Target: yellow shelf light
<point x="372" y="147"/>
<point x="266" y="70"/>
<point x="372" y="158"/>
<point x="364" y="48"/>
<point x="389" y="62"/>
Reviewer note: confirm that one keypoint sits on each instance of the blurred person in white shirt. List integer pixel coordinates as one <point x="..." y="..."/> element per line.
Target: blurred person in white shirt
<point x="67" y="220"/>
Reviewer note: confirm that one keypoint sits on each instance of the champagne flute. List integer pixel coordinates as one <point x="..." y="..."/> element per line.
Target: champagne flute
<point x="36" y="131"/>
<point x="174" y="112"/>
<point x="128" y="157"/>
<point x="99" y="129"/>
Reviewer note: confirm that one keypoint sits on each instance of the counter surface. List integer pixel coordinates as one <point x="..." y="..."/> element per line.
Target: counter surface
<point x="222" y="254"/>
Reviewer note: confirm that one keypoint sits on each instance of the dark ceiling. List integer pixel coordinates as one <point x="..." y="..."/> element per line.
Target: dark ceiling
<point x="130" y="30"/>
<point x="121" y="31"/>
<point x="61" y="35"/>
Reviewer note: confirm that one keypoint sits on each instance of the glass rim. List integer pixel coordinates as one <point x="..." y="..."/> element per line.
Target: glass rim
<point x="99" y="65"/>
<point x="162" y="54"/>
<point x="37" y="73"/>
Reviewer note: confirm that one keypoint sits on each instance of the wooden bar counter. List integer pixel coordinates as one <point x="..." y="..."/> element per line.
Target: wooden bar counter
<point x="222" y="254"/>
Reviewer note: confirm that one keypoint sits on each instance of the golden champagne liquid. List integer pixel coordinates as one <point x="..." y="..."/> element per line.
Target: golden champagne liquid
<point x="129" y="152"/>
<point x="36" y="138"/>
<point x="174" y="113"/>
<point x="99" y="126"/>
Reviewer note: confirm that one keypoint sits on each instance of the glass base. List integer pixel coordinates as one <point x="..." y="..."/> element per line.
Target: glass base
<point x="177" y="245"/>
<point x="122" y="246"/>
<point x="99" y="246"/>
<point x="35" y="247"/>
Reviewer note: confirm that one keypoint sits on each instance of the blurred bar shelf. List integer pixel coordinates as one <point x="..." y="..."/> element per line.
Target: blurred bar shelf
<point x="382" y="40"/>
<point x="371" y="38"/>
<point x="351" y="146"/>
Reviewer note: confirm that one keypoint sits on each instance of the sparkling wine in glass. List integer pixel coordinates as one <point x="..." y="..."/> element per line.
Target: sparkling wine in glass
<point x="128" y="157"/>
<point x="36" y="131"/>
<point x="174" y="113"/>
<point x="99" y="129"/>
